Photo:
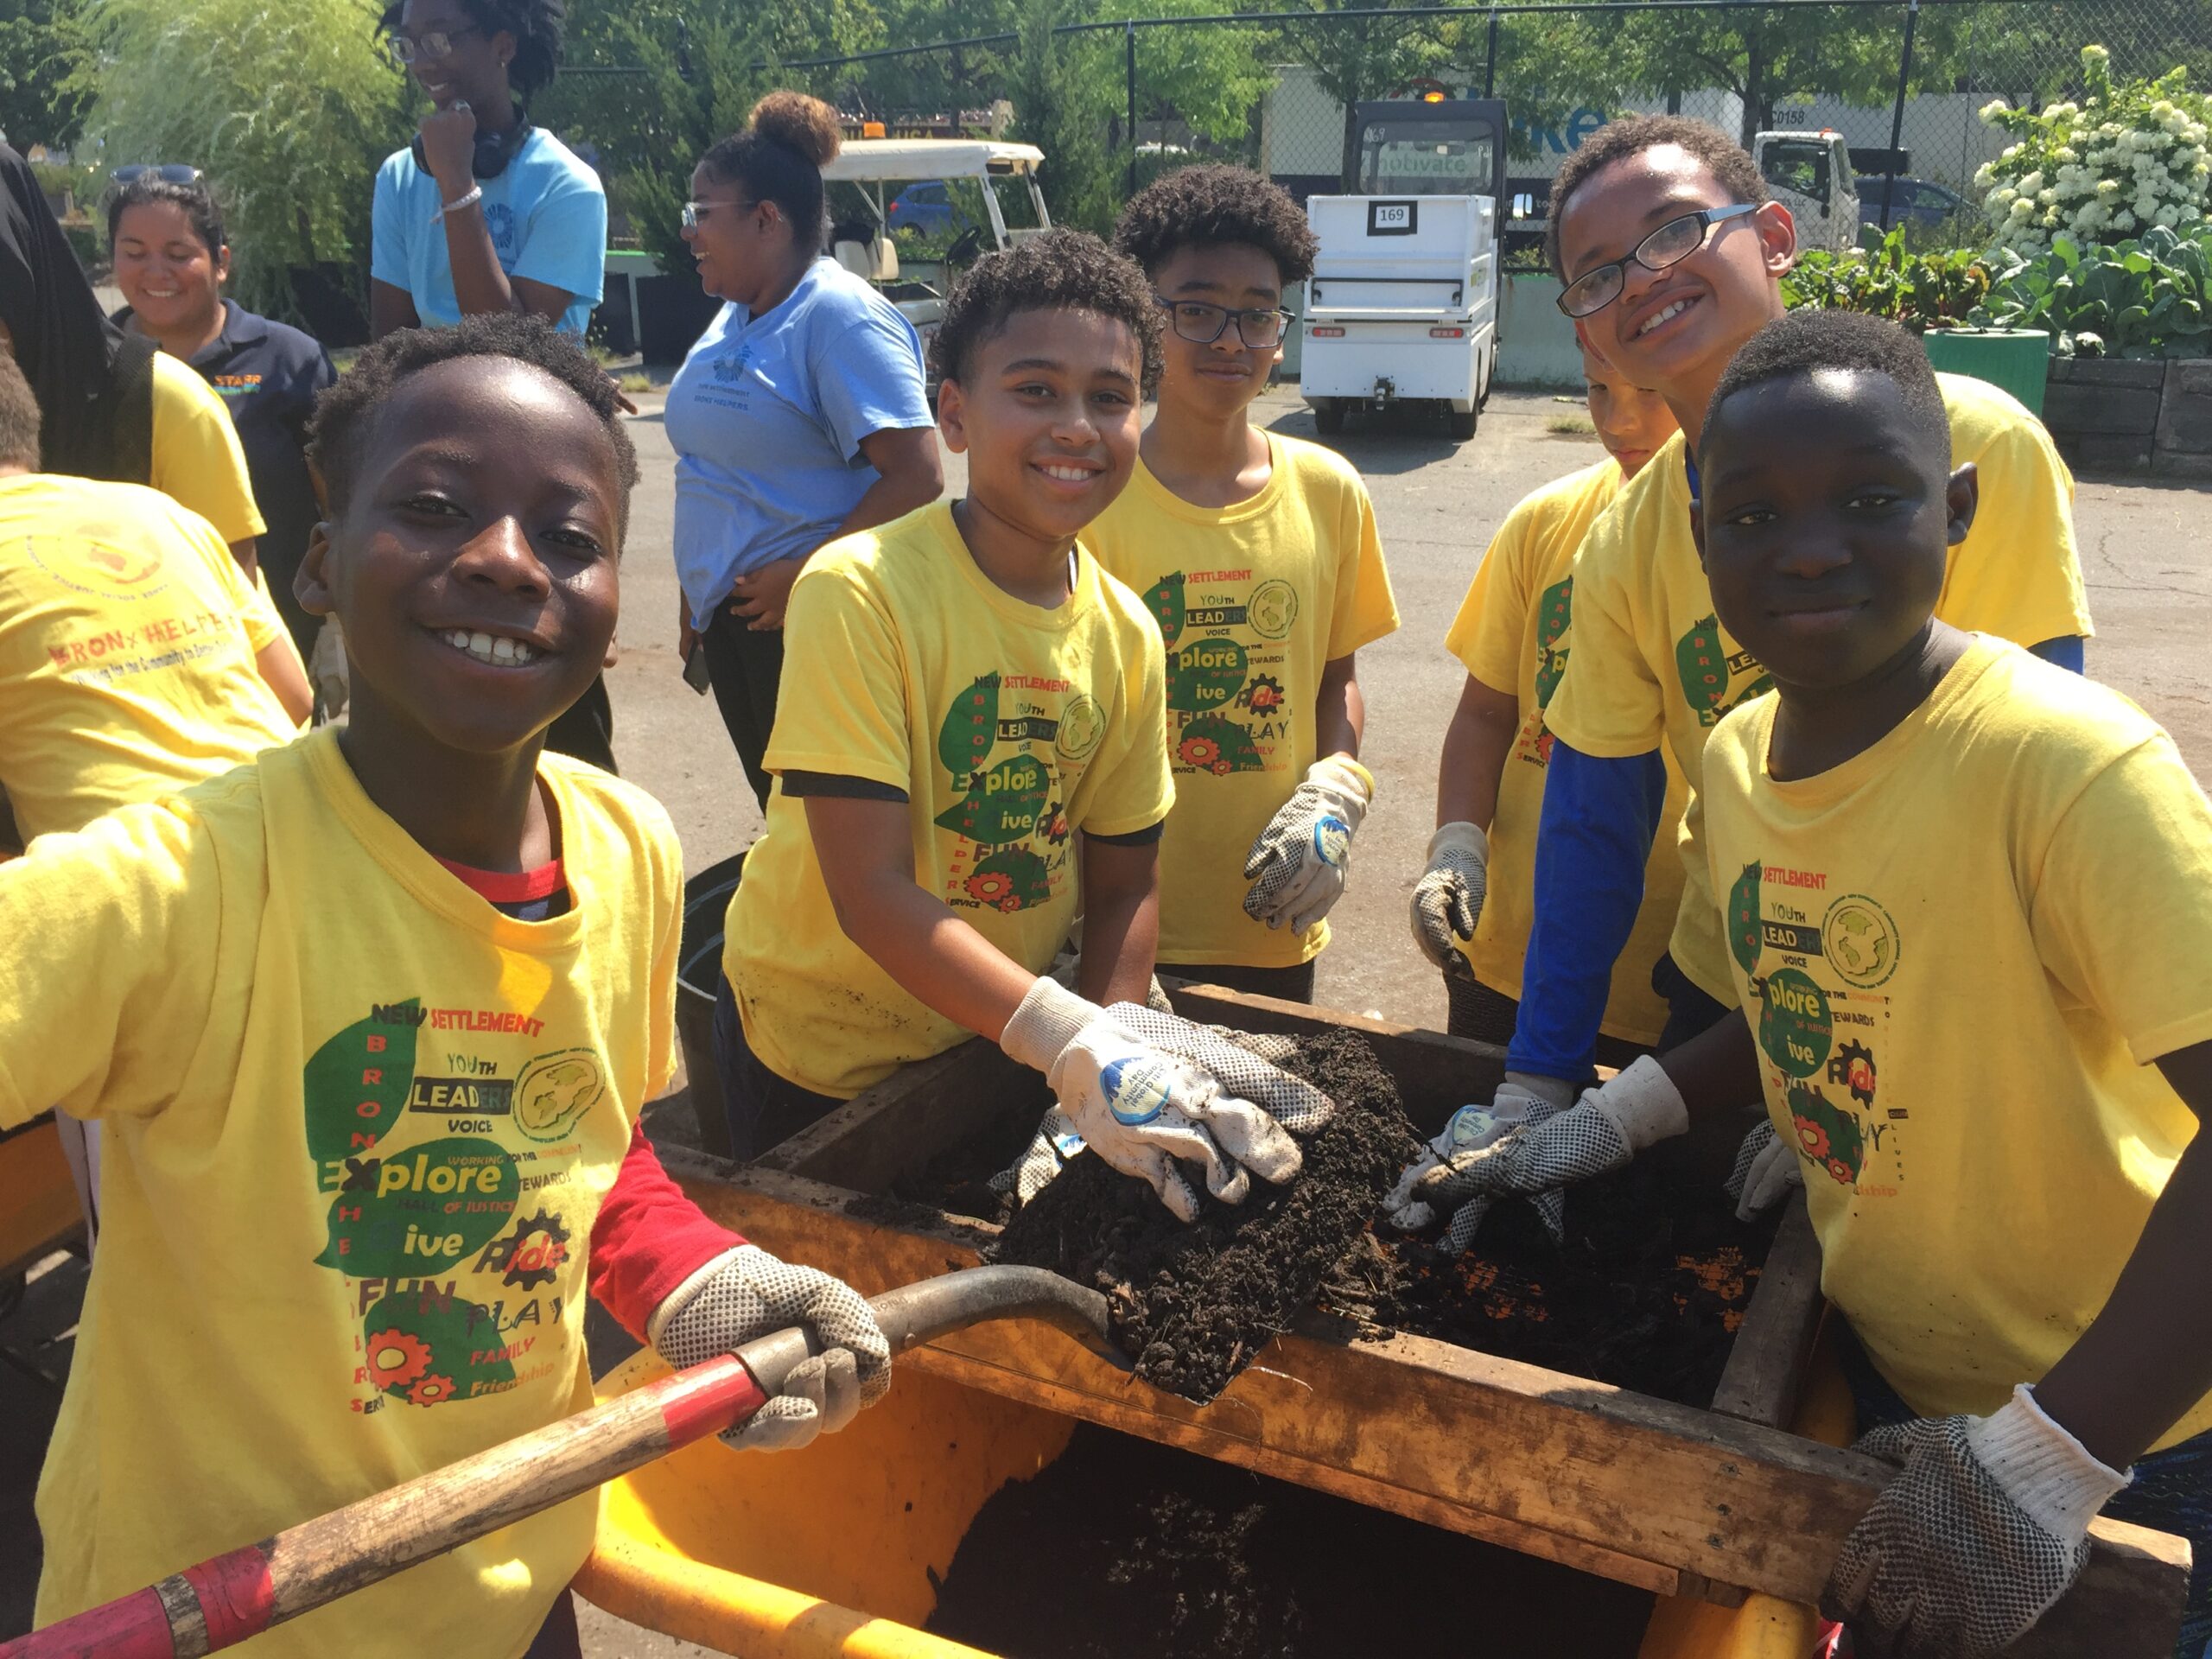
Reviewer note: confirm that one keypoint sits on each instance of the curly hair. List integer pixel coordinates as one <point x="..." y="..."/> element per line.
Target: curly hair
<point x="536" y="26"/>
<point x="145" y="190"/>
<point x="1725" y="159"/>
<point x="787" y="141"/>
<point x="1207" y="206"/>
<point x="1804" y="343"/>
<point x="346" y="414"/>
<point x="1060" y="271"/>
<point x="19" y="417"/>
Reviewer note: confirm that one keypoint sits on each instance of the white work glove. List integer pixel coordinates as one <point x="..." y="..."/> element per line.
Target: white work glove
<point x="748" y="1294"/>
<point x="1766" y="1169"/>
<point x="1551" y="1149"/>
<point x="1522" y="1098"/>
<point x="1448" y="898"/>
<point x="1296" y="865"/>
<point x="1983" y="1528"/>
<point x="1149" y="1092"/>
<point x="326" y="668"/>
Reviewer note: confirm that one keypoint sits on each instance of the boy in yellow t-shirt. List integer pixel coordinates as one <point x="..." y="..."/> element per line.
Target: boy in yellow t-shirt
<point x="1969" y="921"/>
<point x="1257" y="555"/>
<point x="1672" y="254"/>
<point x="966" y="693"/>
<point x="368" y="1023"/>
<point x="1471" y="908"/>
<point x="129" y="660"/>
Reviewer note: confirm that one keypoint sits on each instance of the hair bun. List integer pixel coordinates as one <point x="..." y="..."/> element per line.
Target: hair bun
<point x="807" y="124"/>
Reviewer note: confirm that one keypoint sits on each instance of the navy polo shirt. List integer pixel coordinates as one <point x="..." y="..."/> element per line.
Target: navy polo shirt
<point x="267" y="374"/>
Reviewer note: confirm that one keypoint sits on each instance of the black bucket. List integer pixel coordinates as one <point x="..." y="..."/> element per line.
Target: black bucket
<point x="698" y="974"/>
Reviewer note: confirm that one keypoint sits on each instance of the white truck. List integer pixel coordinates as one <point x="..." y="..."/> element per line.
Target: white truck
<point x="1402" y="304"/>
<point x="1810" y="173"/>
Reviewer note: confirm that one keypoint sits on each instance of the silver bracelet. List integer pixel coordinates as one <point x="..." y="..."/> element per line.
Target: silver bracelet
<point x="476" y="194"/>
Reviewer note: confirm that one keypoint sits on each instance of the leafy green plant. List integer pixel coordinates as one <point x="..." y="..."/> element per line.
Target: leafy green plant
<point x="2129" y="157"/>
<point x="2150" y="296"/>
<point x="1922" y="291"/>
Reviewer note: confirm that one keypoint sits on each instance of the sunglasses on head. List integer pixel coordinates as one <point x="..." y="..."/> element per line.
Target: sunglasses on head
<point x="167" y="172"/>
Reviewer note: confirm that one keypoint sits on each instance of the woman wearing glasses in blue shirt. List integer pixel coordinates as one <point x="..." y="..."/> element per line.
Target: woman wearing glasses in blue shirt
<point x="799" y="417"/>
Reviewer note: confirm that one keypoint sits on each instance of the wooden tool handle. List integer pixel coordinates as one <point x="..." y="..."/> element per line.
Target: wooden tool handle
<point x="223" y="1601"/>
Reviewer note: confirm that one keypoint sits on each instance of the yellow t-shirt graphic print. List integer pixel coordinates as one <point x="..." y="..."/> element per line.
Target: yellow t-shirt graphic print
<point x="358" y="1126"/>
<point x="1652" y="664"/>
<point x="1513" y="632"/>
<point x="1959" y="953"/>
<point x="1253" y="600"/>
<point x="1008" y="727"/>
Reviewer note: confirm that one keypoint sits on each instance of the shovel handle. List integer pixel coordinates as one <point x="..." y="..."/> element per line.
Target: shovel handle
<point x="224" y="1601"/>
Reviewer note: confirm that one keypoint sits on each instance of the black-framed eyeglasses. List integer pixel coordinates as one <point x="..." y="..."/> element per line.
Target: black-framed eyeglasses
<point x="167" y="172"/>
<point x="436" y="43"/>
<point x="1202" y="323"/>
<point x="694" y="212"/>
<point x="1671" y="244"/>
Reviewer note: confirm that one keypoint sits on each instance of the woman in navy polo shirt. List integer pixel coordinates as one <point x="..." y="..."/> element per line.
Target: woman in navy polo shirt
<point x="171" y="262"/>
<point x="799" y="417"/>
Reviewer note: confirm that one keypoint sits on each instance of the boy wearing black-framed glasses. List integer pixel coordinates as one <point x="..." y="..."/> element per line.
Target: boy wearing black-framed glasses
<point x="1672" y="256"/>
<point x="1258" y="555"/>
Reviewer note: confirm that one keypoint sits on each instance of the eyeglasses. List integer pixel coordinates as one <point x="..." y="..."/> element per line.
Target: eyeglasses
<point x="167" y="172"/>
<point x="1203" y="324"/>
<point x="694" y="212"/>
<point x="437" y="43"/>
<point x="1671" y="244"/>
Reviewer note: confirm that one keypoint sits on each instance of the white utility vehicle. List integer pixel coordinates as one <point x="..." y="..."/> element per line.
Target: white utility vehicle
<point x="1809" y="174"/>
<point x="864" y="246"/>
<point x="1402" y="304"/>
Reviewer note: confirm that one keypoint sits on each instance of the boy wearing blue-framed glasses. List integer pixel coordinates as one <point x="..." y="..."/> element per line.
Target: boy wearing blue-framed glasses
<point x="1257" y="554"/>
<point x="1672" y="254"/>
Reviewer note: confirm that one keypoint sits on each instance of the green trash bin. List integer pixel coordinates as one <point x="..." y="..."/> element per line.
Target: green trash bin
<point x="2017" y="359"/>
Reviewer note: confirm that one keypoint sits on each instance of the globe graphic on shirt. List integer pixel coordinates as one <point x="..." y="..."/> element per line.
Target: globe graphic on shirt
<point x="1859" y="941"/>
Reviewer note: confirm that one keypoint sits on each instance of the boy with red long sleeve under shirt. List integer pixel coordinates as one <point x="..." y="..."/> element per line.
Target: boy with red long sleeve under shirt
<point x="370" y="1021"/>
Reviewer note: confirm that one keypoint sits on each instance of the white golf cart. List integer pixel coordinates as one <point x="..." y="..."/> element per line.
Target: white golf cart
<point x="863" y="242"/>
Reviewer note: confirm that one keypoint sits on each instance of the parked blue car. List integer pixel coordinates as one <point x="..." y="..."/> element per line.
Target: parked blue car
<point x="927" y="206"/>
<point x="1918" y="202"/>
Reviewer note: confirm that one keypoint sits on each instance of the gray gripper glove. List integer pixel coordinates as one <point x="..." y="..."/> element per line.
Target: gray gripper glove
<point x="1448" y="899"/>
<point x="1766" y="1169"/>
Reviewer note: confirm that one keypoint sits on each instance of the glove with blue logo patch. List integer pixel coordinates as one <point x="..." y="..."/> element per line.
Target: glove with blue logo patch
<point x="1297" y="865"/>
<point x="1150" y="1094"/>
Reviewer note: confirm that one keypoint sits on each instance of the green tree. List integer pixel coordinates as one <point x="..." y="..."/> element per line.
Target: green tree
<point x="288" y="109"/>
<point x="1796" y="49"/>
<point x="1061" y="86"/>
<point x="42" y="49"/>
<point x="1356" y="57"/>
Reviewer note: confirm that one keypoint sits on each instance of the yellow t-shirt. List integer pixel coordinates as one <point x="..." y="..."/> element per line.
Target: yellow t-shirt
<point x="126" y="651"/>
<point x="1652" y="664"/>
<point x="1512" y="634"/>
<point x="1960" y="952"/>
<point x="198" y="461"/>
<point x="1252" y="601"/>
<point x="358" y="1125"/>
<point x="1008" y="727"/>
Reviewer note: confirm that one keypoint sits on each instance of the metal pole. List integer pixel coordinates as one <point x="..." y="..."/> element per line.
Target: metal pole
<point x="1896" y="112"/>
<point x="1130" y="61"/>
<point x="1490" y="58"/>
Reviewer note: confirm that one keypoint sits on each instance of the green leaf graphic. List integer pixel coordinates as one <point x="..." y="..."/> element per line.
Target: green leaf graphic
<point x="424" y="1209"/>
<point x="970" y="727"/>
<point x="355" y="1085"/>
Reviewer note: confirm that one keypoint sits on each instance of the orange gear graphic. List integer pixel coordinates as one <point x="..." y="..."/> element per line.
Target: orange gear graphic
<point x="1221" y="768"/>
<point x="431" y="1391"/>
<point x="1199" y="752"/>
<point x="1812" y="1137"/>
<point x="395" y="1357"/>
<point x="990" y="888"/>
<point x="1011" y="903"/>
<point x="1842" y="1171"/>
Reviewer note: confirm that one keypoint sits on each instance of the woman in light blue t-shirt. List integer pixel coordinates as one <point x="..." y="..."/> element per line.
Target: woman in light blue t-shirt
<point x="799" y="417"/>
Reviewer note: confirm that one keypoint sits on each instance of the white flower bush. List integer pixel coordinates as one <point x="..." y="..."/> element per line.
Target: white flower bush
<point x="2125" y="158"/>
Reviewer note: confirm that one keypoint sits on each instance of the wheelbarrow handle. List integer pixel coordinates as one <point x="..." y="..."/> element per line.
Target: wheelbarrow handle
<point x="229" y="1597"/>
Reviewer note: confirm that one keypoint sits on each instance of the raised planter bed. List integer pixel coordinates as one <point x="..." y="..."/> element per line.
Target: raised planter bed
<point x="2118" y="414"/>
<point x="1672" y="1498"/>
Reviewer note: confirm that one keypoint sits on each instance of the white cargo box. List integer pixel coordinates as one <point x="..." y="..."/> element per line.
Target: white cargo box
<point x="1385" y="260"/>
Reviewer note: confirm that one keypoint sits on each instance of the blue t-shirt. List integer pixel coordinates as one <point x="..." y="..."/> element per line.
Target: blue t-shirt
<point x="766" y="416"/>
<point x="546" y="213"/>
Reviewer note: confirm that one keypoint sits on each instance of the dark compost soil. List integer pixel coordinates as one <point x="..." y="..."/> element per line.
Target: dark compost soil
<point x="1194" y="1304"/>
<point x="1645" y="1292"/>
<point x="1121" y="1547"/>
